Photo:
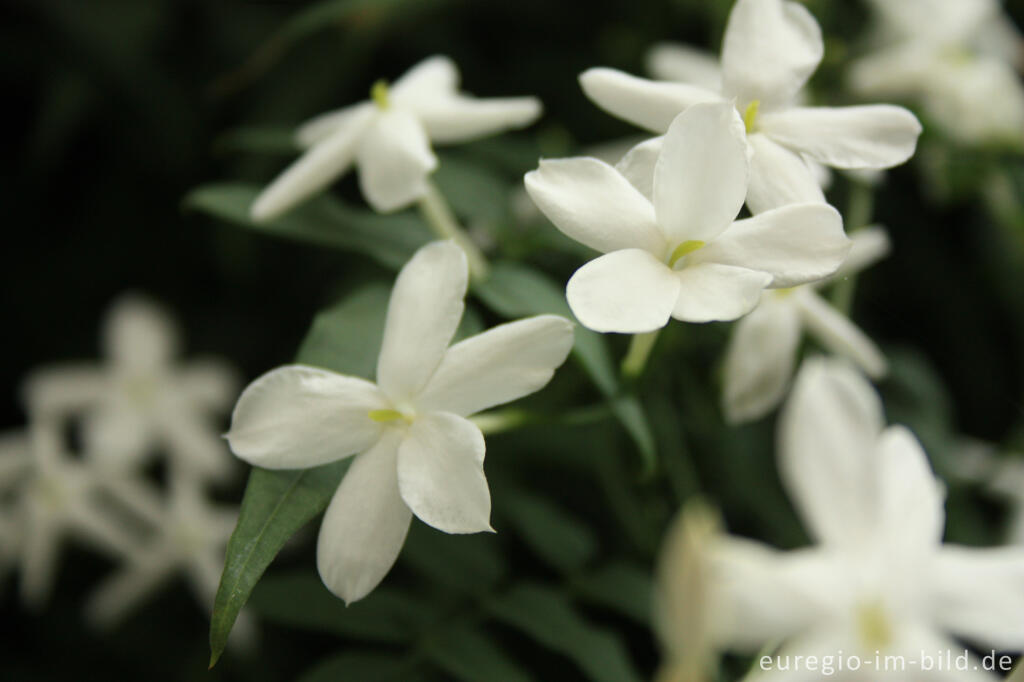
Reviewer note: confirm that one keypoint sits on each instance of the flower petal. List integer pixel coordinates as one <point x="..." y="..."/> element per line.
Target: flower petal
<point x="500" y="365"/>
<point x="62" y="389"/>
<point x="770" y="49"/>
<point x="441" y="473"/>
<point x="394" y="158"/>
<point x="779" y="177"/>
<point x="461" y="119"/>
<point x="711" y="291"/>
<point x="118" y="438"/>
<point x="319" y="128"/>
<point x="978" y="595"/>
<point x="594" y="204"/>
<point x="909" y="516"/>
<point x="297" y="416"/>
<point x="870" y="245"/>
<point x="684" y="64"/>
<point x="208" y="384"/>
<point x="424" y="311"/>
<point x="365" y="524"/>
<point x="827" y="435"/>
<point x="645" y="103"/>
<point x="321" y="165"/>
<point x="139" y="335"/>
<point x="638" y="164"/>
<point x="897" y="71"/>
<point x="872" y="136"/>
<point x="700" y="179"/>
<point x="936" y="22"/>
<point x="838" y="334"/>
<point x="795" y="244"/>
<point x="760" y="358"/>
<point x="435" y="76"/>
<point x="628" y="291"/>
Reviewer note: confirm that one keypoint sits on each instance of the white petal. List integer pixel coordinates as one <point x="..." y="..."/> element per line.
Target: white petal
<point x="638" y="164"/>
<point x="700" y="179"/>
<point x="594" y="204"/>
<point x="209" y="384"/>
<point x="827" y="435"/>
<point x="978" y="594"/>
<point x="838" y="334"/>
<point x="319" y="128"/>
<point x="870" y="245"/>
<point x="435" y="76"/>
<point x="760" y="358"/>
<point x="646" y="103"/>
<point x="123" y="592"/>
<point x="710" y="292"/>
<point x="628" y="291"/>
<point x="297" y="416"/>
<point x="441" y="474"/>
<point x="898" y="71"/>
<point x="118" y="438"/>
<point x="909" y="514"/>
<point x="770" y="49"/>
<point x="684" y="64"/>
<point x="500" y="365"/>
<point x="938" y="22"/>
<point x="395" y="159"/>
<point x="795" y="244"/>
<point x="872" y="136"/>
<point x="424" y="310"/>
<point x="365" y="524"/>
<point x="461" y="119"/>
<point x="194" y="447"/>
<point x="62" y="389"/>
<point x="779" y="177"/>
<point x="39" y="552"/>
<point x="317" y="168"/>
<point x="139" y="335"/>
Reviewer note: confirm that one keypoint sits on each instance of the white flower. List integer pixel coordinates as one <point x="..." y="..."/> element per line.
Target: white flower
<point x="770" y="49"/>
<point x="389" y="138"/>
<point x="878" y="578"/>
<point x="761" y="355"/>
<point x="141" y="399"/>
<point x="957" y="58"/>
<point x="678" y="253"/>
<point x="417" y="452"/>
<point x="189" y="537"/>
<point x="55" y="496"/>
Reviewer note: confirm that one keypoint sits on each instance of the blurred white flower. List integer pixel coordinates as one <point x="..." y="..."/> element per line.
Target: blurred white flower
<point x="770" y="49"/>
<point x="672" y="248"/>
<point x="417" y="452"/>
<point x="141" y="400"/>
<point x="879" y="580"/>
<point x="389" y="138"/>
<point x="1007" y="481"/>
<point x="762" y="352"/>
<point x="959" y="59"/>
<point x="54" y="497"/>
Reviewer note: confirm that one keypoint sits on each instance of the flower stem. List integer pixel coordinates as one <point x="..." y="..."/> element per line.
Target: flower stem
<point x="858" y="214"/>
<point x="439" y="216"/>
<point x="636" y="357"/>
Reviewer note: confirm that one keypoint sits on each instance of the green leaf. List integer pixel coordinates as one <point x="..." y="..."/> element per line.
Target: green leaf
<point x="557" y="538"/>
<point x="514" y="290"/>
<point x="276" y="504"/>
<point x="302" y="601"/>
<point x="461" y="563"/>
<point x="470" y="656"/>
<point x="346" y="337"/>
<point x="363" y="667"/>
<point x="473" y="190"/>
<point x="263" y="140"/>
<point x="389" y="239"/>
<point x="620" y="587"/>
<point x="547" y="617"/>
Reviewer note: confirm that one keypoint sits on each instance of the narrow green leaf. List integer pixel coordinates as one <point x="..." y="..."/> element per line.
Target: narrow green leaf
<point x="461" y="563"/>
<point x="346" y="337"/>
<point x="559" y="539"/>
<point x="621" y="587"/>
<point x="470" y="656"/>
<point x="363" y="667"/>
<point x="546" y="616"/>
<point x="473" y="190"/>
<point x="389" y="239"/>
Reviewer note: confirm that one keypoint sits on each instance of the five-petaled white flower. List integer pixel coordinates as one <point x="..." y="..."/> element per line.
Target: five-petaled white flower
<point x="141" y="400"/>
<point x="959" y="59"/>
<point x="771" y="48"/>
<point x="762" y="352"/>
<point x="678" y="252"/>
<point x="389" y="138"/>
<point x="879" y="581"/>
<point x="417" y="452"/>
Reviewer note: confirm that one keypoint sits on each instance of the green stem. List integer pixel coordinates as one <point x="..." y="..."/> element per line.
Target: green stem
<point x="439" y="216"/>
<point x="636" y="357"/>
<point x="859" y="210"/>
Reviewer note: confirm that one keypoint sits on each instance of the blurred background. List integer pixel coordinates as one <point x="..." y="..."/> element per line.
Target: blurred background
<point x="118" y="108"/>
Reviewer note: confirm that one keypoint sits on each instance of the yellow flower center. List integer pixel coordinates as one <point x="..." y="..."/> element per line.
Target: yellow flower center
<point x="873" y="625"/>
<point x="380" y="95"/>
<point x="389" y="415"/>
<point x="750" y="115"/>
<point x="685" y="249"/>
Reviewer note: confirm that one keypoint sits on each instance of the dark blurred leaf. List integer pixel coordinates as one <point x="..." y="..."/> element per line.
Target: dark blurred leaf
<point x="470" y="656"/>
<point x="302" y="601"/>
<point x="389" y="239"/>
<point x="462" y="563"/>
<point x="363" y="667"/>
<point x="548" y="618"/>
<point x="562" y="541"/>
<point x="473" y="190"/>
<point x="267" y="140"/>
<point x="620" y="587"/>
